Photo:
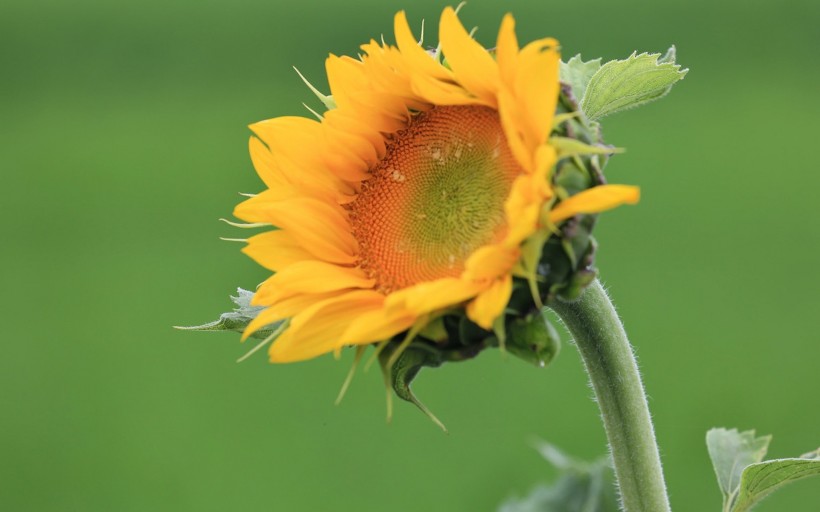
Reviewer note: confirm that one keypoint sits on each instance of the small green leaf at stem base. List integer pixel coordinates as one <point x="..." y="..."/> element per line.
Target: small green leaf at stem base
<point x="582" y="487"/>
<point x="743" y="476"/>
<point x="731" y="451"/>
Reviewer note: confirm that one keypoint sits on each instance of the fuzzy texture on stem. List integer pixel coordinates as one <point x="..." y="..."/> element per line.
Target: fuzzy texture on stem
<point x="613" y="371"/>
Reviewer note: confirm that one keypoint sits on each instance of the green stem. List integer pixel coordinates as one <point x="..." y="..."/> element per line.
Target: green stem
<point x="611" y="366"/>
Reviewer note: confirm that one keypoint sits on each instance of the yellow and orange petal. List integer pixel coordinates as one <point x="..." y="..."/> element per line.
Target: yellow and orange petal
<point x="413" y="196"/>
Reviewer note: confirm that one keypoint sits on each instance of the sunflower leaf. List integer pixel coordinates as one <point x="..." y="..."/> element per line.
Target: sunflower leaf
<point x="731" y="451"/>
<point x="623" y="84"/>
<point x="582" y="487"/>
<point x="577" y="74"/>
<point x="670" y="55"/>
<point x="743" y="476"/>
<point x="237" y="319"/>
<point x="761" y="479"/>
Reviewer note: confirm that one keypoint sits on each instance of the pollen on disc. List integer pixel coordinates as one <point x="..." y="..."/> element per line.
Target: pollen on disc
<point x="436" y="196"/>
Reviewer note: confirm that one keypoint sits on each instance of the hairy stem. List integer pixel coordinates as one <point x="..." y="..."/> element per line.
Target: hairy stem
<point x="611" y="366"/>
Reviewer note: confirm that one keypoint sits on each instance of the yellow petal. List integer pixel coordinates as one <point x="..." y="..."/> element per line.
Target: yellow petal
<point x="506" y="50"/>
<point x="285" y="309"/>
<point x="275" y="250"/>
<point x="359" y="146"/>
<point x="490" y="303"/>
<point x="320" y="182"/>
<point x="319" y="227"/>
<point x="377" y="325"/>
<point x="545" y="158"/>
<point x="521" y="207"/>
<point x="265" y="165"/>
<point x="290" y="136"/>
<point x="344" y="165"/>
<point x="346" y="78"/>
<point x="359" y="155"/>
<point x="264" y="318"/>
<point x="523" y="226"/>
<point x="442" y="93"/>
<point x="316" y="330"/>
<point x="347" y="121"/>
<point x="255" y="209"/>
<point x="296" y="147"/>
<point x="473" y="66"/>
<point x="383" y="112"/>
<point x="421" y="61"/>
<point x="490" y="262"/>
<point x="537" y="87"/>
<point x="594" y="200"/>
<point x="432" y="295"/>
<point x="292" y="306"/>
<point x="514" y="126"/>
<point x="388" y="70"/>
<point x="310" y="276"/>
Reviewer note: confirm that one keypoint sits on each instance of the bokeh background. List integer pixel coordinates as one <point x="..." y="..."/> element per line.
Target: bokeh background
<point x="123" y="140"/>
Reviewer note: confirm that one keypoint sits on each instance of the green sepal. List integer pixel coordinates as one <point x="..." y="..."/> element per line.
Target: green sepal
<point x="434" y="330"/>
<point x="743" y="476"/>
<point x="237" y="319"/>
<point x="567" y="147"/>
<point x="566" y="265"/>
<point x="533" y="338"/>
<point x="406" y="367"/>
<point x="528" y="263"/>
<point x="470" y="333"/>
<point x="326" y="99"/>
<point x="623" y="84"/>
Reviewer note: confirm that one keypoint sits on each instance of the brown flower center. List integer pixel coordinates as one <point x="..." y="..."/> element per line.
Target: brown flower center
<point x="437" y="196"/>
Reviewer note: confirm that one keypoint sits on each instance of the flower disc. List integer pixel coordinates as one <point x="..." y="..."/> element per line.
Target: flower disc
<point x="436" y="197"/>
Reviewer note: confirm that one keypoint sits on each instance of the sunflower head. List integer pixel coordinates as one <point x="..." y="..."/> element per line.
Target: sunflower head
<point x="433" y="210"/>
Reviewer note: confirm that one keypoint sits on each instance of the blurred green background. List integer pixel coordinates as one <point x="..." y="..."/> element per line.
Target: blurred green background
<point x="124" y="138"/>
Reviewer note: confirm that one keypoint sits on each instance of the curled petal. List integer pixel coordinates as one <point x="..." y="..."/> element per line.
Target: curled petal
<point x="595" y="200"/>
<point x="490" y="303"/>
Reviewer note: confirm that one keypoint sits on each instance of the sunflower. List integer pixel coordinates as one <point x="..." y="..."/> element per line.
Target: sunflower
<point x="418" y="193"/>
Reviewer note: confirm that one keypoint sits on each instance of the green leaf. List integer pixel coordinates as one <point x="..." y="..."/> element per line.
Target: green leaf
<point x="578" y="73"/>
<point x="744" y="478"/>
<point x="761" y="479"/>
<point x="623" y="84"/>
<point x="670" y="55"/>
<point x="731" y="452"/>
<point x="237" y="319"/>
<point x="582" y="487"/>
